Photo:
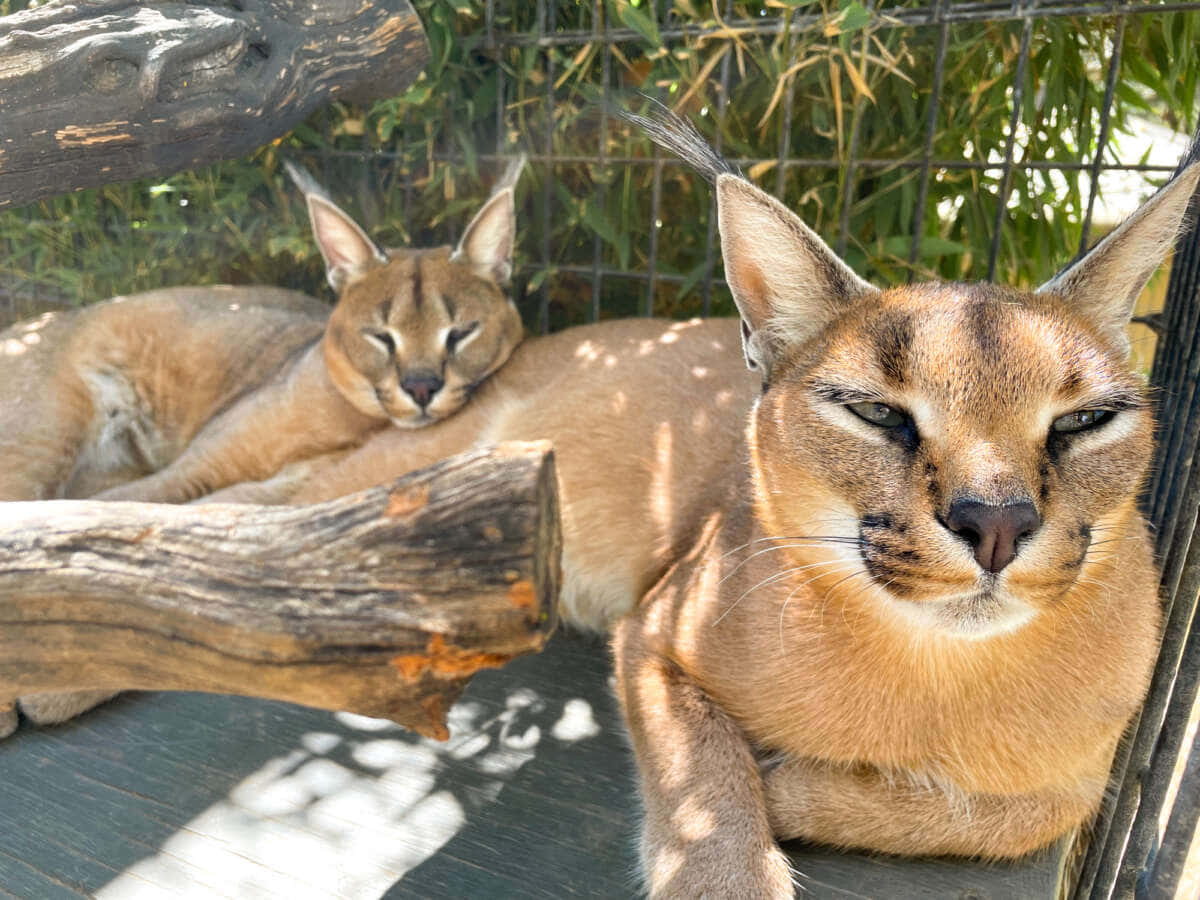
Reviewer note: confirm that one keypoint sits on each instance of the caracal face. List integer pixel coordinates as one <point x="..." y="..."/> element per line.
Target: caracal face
<point x="960" y="446"/>
<point x="416" y="331"/>
<point x="414" y="337"/>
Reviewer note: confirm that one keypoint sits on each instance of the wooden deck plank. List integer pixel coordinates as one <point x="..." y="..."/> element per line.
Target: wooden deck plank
<point x="192" y="795"/>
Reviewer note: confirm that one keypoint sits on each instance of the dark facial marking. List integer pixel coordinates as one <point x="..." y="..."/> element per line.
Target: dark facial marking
<point x="1072" y="379"/>
<point x="893" y="338"/>
<point x="878" y="566"/>
<point x="984" y="327"/>
<point x="906" y="436"/>
<point x="449" y="306"/>
<point x="416" y="285"/>
<point x="1084" y="536"/>
<point x="1054" y="447"/>
<point x="1044" y="477"/>
<point x="385" y="310"/>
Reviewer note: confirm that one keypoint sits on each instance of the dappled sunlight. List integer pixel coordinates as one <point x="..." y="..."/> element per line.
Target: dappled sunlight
<point x="349" y="814"/>
<point x="578" y="722"/>
<point x="662" y="479"/>
<point x="36" y="325"/>
<point x="693" y="818"/>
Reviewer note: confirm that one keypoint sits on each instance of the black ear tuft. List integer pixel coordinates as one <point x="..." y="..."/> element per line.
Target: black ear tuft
<point x="679" y="136"/>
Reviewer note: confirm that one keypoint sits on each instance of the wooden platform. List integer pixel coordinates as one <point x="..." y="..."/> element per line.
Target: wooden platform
<point x="192" y="795"/>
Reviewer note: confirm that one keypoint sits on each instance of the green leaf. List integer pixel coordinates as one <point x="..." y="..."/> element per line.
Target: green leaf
<point x="932" y="247"/>
<point x="639" y="20"/>
<point x="853" y="16"/>
<point x="535" y="281"/>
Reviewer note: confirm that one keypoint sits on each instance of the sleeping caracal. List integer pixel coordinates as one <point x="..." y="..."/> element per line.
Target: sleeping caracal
<point x="169" y="395"/>
<point x="922" y="612"/>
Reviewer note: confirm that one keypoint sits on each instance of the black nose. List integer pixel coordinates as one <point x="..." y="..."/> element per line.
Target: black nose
<point x="421" y="386"/>
<point x="993" y="531"/>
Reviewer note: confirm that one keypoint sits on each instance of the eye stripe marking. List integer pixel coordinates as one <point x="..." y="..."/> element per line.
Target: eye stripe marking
<point x="892" y="341"/>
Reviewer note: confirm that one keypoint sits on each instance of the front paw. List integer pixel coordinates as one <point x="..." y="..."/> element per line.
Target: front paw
<point x="51" y="709"/>
<point x="686" y="873"/>
<point x="8" y="719"/>
<point x="133" y="491"/>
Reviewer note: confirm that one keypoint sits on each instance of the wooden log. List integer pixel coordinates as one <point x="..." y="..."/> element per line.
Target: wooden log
<point x="109" y="90"/>
<point x="383" y="603"/>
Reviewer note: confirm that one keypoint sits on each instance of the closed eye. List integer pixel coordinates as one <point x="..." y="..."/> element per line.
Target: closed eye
<point x="455" y="336"/>
<point x="383" y="340"/>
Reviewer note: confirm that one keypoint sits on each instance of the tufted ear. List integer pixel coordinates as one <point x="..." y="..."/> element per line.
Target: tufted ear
<point x="487" y="244"/>
<point x="1105" y="283"/>
<point x="344" y="246"/>
<point x="786" y="281"/>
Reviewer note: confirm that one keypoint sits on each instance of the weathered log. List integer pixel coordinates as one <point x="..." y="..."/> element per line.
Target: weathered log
<point x="109" y="90"/>
<point x="384" y="602"/>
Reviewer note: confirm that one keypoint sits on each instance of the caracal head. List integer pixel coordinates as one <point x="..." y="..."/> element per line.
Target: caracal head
<point x="966" y="452"/>
<point x="414" y="332"/>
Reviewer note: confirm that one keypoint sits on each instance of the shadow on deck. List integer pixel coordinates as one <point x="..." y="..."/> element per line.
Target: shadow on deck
<point x="195" y="795"/>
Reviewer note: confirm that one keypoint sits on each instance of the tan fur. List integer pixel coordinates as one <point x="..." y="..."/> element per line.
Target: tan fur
<point x="171" y="395"/>
<point x="643" y="414"/>
<point x="830" y="660"/>
<point x="824" y="658"/>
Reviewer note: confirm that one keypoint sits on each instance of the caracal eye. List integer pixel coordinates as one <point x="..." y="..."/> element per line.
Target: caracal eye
<point x="383" y="340"/>
<point x="878" y="414"/>
<point x="1081" y="420"/>
<point x="457" y="335"/>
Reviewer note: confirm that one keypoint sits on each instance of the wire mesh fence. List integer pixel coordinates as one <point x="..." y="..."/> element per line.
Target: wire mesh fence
<point x="947" y="139"/>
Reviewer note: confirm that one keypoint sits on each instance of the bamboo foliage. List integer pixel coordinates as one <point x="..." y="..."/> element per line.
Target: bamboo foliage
<point x="824" y="81"/>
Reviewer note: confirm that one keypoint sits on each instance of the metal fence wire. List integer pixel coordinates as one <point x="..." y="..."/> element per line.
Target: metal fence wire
<point x="1129" y="852"/>
<point x="921" y="138"/>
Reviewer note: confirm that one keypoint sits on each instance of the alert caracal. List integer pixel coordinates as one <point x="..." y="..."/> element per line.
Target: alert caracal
<point x="925" y="609"/>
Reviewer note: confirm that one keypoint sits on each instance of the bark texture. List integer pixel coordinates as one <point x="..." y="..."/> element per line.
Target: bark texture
<point x="383" y="603"/>
<point x="100" y="91"/>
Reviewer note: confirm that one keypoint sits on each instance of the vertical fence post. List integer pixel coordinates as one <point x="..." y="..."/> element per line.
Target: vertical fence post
<point x="1121" y="859"/>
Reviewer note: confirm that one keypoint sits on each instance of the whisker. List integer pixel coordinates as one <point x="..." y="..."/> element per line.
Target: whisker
<point x="776" y="577"/>
<point x="831" y="538"/>
<point x="809" y="581"/>
<point x="804" y="543"/>
<point x="788" y="599"/>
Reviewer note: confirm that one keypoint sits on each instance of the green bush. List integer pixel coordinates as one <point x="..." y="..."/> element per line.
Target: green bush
<point x="413" y="167"/>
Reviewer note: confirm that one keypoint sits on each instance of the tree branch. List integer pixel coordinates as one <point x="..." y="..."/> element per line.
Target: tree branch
<point x="382" y="603"/>
<point x="111" y="90"/>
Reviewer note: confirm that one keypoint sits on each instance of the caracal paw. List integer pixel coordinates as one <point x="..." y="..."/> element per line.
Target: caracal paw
<point x="51" y="709"/>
